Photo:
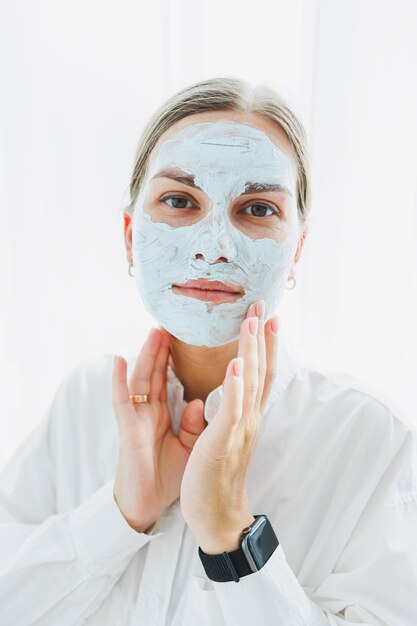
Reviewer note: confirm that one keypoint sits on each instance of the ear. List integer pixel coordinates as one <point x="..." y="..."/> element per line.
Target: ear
<point x="300" y="244"/>
<point x="128" y="236"/>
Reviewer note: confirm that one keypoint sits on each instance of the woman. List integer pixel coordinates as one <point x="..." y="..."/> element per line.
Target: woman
<point x="128" y="502"/>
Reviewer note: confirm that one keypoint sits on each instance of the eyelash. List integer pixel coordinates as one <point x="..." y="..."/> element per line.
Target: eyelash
<point x="267" y="206"/>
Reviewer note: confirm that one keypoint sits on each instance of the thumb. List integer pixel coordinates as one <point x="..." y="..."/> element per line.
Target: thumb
<point x="192" y="423"/>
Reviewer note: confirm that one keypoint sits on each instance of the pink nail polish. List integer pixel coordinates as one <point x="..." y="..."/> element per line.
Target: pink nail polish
<point x="253" y="325"/>
<point x="260" y="309"/>
<point x="274" y="325"/>
<point x="238" y="367"/>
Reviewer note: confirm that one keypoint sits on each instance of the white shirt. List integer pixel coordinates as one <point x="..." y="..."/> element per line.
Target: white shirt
<point x="334" y="470"/>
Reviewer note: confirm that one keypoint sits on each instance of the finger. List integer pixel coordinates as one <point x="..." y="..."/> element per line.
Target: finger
<point x="192" y="424"/>
<point x="163" y="392"/>
<point x="165" y="385"/>
<point x="260" y="310"/>
<point x="223" y="426"/>
<point x="140" y="381"/>
<point x="251" y="312"/>
<point x="123" y="409"/>
<point x="160" y="366"/>
<point x="120" y="392"/>
<point x="272" y="346"/>
<point x="248" y="350"/>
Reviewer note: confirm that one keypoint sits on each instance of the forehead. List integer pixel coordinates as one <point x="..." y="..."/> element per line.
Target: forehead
<point x="221" y="140"/>
<point x="272" y="129"/>
<point x="223" y="149"/>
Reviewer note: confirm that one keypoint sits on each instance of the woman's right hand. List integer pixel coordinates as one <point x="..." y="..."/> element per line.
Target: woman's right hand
<point x="152" y="458"/>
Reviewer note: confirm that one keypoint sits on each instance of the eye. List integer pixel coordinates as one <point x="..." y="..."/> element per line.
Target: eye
<point x="175" y="198"/>
<point x="260" y="210"/>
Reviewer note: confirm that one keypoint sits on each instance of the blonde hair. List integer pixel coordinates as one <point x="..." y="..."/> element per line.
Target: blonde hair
<point x="225" y="94"/>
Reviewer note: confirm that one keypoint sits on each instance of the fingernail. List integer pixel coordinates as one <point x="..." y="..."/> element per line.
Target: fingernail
<point x="260" y="309"/>
<point x="274" y="325"/>
<point x="253" y="325"/>
<point x="152" y="334"/>
<point x="238" y="367"/>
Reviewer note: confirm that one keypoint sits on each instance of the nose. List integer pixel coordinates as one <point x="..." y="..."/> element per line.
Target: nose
<point x="214" y="244"/>
<point x="213" y="248"/>
<point x="201" y="257"/>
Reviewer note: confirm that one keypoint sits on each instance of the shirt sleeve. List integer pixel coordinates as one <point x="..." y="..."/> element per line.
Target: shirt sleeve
<point x="373" y="583"/>
<point x="56" y="564"/>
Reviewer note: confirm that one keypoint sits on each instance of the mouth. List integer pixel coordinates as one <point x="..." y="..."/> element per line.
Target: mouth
<point x="209" y="290"/>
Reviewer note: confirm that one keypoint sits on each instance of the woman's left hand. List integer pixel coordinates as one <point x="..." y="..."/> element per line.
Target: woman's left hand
<point x="213" y="494"/>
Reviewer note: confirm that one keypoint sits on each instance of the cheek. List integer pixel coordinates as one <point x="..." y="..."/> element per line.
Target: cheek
<point x="173" y="254"/>
<point x="272" y="228"/>
<point x="161" y="248"/>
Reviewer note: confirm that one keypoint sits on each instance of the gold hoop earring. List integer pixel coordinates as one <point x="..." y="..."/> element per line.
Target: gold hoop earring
<point x="129" y="272"/>
<point x="293" y="285"/>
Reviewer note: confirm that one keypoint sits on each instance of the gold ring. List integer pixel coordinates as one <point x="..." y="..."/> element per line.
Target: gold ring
<point x="138" y="399"/>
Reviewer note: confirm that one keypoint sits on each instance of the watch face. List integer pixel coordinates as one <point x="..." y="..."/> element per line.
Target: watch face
<point x="260" y="543"/>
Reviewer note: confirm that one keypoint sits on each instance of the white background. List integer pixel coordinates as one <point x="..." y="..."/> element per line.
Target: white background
<point x="78" y="81"/>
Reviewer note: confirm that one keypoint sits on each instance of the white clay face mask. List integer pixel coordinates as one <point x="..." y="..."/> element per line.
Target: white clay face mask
<point x="212" y="232"/>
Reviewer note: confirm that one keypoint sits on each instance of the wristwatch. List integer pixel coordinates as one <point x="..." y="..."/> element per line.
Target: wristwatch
<point x="257" y="543"/>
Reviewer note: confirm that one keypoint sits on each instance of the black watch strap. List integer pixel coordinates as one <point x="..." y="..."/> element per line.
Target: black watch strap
<point x="233" y="565"/>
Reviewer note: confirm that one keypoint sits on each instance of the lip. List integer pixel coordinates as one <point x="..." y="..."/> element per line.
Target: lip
<point x="209" y="290"/>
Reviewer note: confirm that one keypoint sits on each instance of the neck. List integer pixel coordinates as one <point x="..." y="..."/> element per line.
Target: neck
<point x="199" y="368"/>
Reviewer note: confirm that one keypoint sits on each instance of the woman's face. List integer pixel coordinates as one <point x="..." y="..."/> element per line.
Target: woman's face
<point x="218" y="204"/>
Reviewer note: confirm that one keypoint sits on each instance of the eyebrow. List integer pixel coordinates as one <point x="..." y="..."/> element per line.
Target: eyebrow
<point x="250" y="187"/>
